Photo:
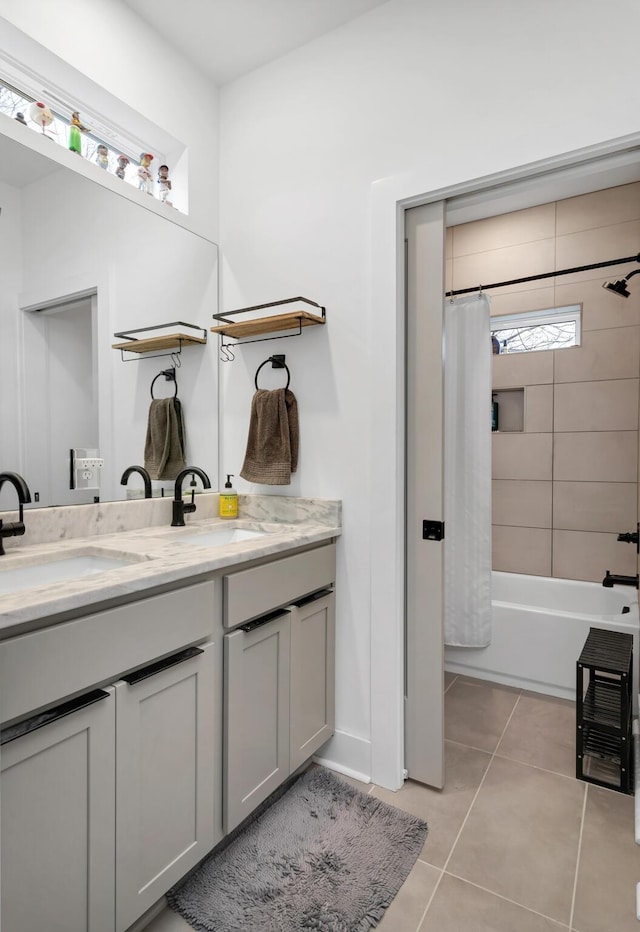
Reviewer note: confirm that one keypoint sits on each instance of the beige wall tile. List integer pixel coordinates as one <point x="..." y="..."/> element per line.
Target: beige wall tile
<point x="499" y="265"/>
<point x="604" y="405"/>
<point x="521" y="503"/>
<point x="604" y="456"/>
<point x="513" y="370"/>
<point x="590" y="246"/>
<point x="518" y="302"/>
<point x="448" y="275"/>
<point x="521" y="550"/>
<point x="448" y="243"/>
<point x="603" y="354"/>
<point x="588" y="555"/>
<point x="517" y="227"/>
<point x="538" y="409"/>
<point x="598" y="209"/>
<point x="595" y="506"/>
<point x="601" y="310"/>
<point x="521" y="456"/>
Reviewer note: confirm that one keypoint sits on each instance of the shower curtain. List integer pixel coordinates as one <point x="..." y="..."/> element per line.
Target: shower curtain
<point x="467" y="464"/>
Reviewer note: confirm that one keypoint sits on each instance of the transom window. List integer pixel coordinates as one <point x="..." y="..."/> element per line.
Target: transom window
<point x="550" y="329"/>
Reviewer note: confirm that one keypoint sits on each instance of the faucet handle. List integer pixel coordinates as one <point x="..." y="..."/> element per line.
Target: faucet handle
<point x="631" y="537"/>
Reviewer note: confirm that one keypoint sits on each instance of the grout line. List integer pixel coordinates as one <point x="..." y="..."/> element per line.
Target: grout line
<point x="464" y="821"/>
<point x="575" y="879"/>
<point x="456" y="675"/>
<point x="562" y="925"/>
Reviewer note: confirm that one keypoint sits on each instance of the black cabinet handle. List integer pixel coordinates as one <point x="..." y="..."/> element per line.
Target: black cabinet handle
<point x="160" y="665"/>
<point x="263" y="620"/>
<point x="11" y="732"/>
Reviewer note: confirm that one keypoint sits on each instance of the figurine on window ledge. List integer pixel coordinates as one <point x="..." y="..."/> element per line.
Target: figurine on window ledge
<point x="123" y="161"/>
<point x="145" y="178"/>
<point x="39" y="113"/>
<point x="102" y="157"/>
<point x="75" y="129"/>
<point x="164" y="185"/>
<point x="20" y="118"/>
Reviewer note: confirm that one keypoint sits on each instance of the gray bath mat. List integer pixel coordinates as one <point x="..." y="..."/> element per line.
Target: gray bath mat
<point x="324" y="857"/>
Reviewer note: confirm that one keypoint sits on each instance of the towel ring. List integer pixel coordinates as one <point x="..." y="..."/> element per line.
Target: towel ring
<point x="278" y="365"/>
<point x="170" y="376"/>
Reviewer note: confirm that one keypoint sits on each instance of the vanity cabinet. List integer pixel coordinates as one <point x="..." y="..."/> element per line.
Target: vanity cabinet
<point x="164" y="777"/>
<point x="279" y="675"/>
<point x="57" y="841"/>
<point x="256" y="746"/>
<point x="105" y="807"/>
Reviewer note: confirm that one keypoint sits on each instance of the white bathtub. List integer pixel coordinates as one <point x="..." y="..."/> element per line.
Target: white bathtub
<point x="539" y="627"/>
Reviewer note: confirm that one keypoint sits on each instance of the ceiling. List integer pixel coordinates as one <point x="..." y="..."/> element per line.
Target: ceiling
<point x="228" y="38"/>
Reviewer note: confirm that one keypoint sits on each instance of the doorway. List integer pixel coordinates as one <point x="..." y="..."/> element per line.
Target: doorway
<point x="610" y="164"/>
<point x="60" y="401"/>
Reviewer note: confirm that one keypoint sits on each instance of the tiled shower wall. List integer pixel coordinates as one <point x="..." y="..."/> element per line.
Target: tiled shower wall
<point x="566" y="484"/>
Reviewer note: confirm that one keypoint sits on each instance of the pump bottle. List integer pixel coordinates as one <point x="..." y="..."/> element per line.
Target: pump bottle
<point x="228" y="500"/>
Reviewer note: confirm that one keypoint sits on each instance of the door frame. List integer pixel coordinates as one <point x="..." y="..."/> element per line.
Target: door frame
<point x="605" y="164"/>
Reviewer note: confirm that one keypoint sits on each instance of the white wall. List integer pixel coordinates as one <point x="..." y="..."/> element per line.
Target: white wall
<point x="112" y="46"/>
<point x="10" y="267"/>
<point x="449" y="92"/>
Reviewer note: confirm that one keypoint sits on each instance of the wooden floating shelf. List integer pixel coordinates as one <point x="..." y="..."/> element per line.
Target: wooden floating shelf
<point x="276" y="323"/>
<point x="168" y="341"/>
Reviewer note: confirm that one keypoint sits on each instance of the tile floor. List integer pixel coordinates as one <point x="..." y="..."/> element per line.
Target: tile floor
<point x="515" y="843"/>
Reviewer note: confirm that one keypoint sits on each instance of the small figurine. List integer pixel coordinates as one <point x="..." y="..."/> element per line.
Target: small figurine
<point x="20" y="118"/>
<point x="164" y="185"/>
<point x="39" y="113"/>
<point x="102" y="156"/>
<point x="75" y="128"/>
<point x="123" y="161"/>
<point x="145" y="178"/>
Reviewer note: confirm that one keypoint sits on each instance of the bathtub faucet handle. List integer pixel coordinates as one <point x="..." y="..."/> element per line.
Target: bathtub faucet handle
<point x="631" y="537"/>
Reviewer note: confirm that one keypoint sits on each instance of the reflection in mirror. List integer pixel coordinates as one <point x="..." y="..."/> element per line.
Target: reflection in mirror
<point x="78" y="263"/>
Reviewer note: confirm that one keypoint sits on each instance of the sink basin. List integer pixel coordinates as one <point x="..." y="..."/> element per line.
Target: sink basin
<point x="217" y="537"/>
<point x="29" y="576"/>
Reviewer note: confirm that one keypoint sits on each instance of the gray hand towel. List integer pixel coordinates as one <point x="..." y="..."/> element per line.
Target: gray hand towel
<point x="272" y="444"/>
<point x="164" y="445"/>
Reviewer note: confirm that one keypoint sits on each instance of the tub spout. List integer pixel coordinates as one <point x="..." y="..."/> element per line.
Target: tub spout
<point x="611" y="579"/>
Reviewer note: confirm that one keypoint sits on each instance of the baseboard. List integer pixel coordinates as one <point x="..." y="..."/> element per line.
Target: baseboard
<point x="518" y="682"/>
<point x="347" y="754"/>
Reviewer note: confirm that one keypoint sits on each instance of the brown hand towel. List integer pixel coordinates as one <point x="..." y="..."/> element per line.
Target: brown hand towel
<point x="164" y="445"/>
<point x="272" y="445"/>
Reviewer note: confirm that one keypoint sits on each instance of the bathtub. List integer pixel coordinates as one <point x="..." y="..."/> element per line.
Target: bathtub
<point x="539" y="627"/>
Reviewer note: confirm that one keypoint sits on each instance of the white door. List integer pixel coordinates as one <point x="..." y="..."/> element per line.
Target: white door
<point x="424" y="642"/>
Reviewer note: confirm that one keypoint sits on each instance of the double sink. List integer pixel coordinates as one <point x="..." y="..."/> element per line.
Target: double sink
<point x="26" y="572"/>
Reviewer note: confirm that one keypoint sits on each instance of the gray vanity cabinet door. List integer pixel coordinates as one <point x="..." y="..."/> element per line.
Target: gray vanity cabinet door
<point x="312" y="676"/>
<point x="256" y="745"/>
<point x="165" y="751"/>
<point x="57" y="824"/>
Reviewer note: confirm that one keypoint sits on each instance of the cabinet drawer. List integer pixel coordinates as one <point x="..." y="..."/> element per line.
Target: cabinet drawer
<point x="76" y="655"/>
<point x="258" y="590"/>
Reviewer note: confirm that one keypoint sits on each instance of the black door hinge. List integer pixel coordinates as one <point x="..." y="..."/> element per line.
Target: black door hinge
<point x="433" y="530"/>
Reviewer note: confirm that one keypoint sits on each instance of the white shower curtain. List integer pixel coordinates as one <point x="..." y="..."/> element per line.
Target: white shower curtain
<point x="467" y="463"/>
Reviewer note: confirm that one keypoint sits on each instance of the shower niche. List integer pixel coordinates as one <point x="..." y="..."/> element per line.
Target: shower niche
<point x="507" y="410"/>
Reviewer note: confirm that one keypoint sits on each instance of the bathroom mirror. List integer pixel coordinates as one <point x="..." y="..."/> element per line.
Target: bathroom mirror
<point x="78" y="263"/>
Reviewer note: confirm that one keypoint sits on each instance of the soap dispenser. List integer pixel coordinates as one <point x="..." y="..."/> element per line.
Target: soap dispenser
<point x="228" y="500"/>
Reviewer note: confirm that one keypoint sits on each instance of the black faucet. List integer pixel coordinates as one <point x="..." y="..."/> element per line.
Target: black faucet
<point x="179" y="507"/>
<point x="145" y="476"/>
<point x="611" y="580"/>
<point x="14" y="528"/>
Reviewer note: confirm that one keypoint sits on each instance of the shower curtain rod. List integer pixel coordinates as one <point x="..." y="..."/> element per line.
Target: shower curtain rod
<point x="535" y="278"/>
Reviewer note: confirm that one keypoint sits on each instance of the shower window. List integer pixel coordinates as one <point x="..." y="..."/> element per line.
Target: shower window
<point x="550" y="329"/>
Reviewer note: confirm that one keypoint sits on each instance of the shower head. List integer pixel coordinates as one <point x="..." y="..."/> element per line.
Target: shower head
<point x="620" y="286"/>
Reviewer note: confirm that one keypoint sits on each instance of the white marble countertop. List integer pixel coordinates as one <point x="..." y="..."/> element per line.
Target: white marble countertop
<point x="154" y="558"/>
